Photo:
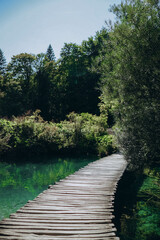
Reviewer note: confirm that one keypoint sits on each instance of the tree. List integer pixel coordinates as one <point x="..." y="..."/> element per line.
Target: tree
<point x="82" y="93"/>
<point x="44" y="87"/>
<point x="13" y="99"/>
<point x="2" y="63"/>
<point x="22" y="70"/>
<point x="50" y="53"/>
<point x="131" y="79"/>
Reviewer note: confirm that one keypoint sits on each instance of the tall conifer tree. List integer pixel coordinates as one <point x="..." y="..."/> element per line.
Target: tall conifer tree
<point x="50" y="53"/>
<point x="2" y="63"/>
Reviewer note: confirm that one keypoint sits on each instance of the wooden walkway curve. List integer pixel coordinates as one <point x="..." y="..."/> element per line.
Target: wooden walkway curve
<point x="80" y="207"/>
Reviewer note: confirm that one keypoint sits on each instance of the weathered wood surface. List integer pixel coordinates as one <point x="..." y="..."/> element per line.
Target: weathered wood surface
<point x="80" y="207"/>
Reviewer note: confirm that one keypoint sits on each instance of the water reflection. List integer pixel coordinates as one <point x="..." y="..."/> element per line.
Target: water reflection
<point x="22" y="182"/>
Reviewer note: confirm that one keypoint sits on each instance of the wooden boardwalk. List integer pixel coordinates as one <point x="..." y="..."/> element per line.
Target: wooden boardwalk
<point x="80" y="207"/>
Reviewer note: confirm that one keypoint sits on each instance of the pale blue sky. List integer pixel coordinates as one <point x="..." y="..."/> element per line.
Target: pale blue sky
<point x="31" y="25"/>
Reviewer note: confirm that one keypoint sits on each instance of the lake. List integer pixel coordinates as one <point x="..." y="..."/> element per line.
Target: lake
<point x="24" y="179"/>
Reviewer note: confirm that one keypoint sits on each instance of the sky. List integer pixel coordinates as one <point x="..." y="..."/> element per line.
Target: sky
<point x="31" y="25"/>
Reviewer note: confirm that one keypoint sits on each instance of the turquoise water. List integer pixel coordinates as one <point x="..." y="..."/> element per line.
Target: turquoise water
<point x="23" y="181"/>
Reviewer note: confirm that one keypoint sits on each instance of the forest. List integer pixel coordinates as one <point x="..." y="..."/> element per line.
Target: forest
<point x="53" y="106"/>
<point x="99" y="97"/>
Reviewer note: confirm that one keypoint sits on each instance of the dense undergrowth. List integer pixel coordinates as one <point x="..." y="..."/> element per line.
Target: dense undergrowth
<point x="139" y="206"/>
<point x="80" y="133"/>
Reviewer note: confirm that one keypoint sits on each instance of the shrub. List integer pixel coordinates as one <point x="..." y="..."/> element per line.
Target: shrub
<point x="80" y="133"/>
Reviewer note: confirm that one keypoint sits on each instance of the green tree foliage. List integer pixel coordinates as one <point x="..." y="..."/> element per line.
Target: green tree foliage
<point x="2" y="63"/>
<point x="2" y="94"/>
<point x="42" y="85"/>
<point x="131" y="79"/>
<point x="72" y="71"/>
<point x="81" y="82"/>
<point x="46" y="89"/>
<point x="21" y="69"/>
<point x="12" y="101"/>
<point x="55" y="87"/>
<point x="50" y="53"/>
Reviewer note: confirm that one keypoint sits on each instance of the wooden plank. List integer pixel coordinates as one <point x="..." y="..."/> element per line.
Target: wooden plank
<point x="51" y="231"/>
<point x="33" y="237"/>
<point x="58" y="221"/>
<point x="56" y="226"/>
<point x="60" y="205"/>
<point x="59" y="197"/>
<point x="61" y="216"/>
<point x="56" y="233"/>
<point x="65" y="209"/>
<point x="75" y="212"/>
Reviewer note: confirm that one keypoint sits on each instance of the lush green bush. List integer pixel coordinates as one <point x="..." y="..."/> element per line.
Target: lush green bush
<point x="80" y="133"/>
